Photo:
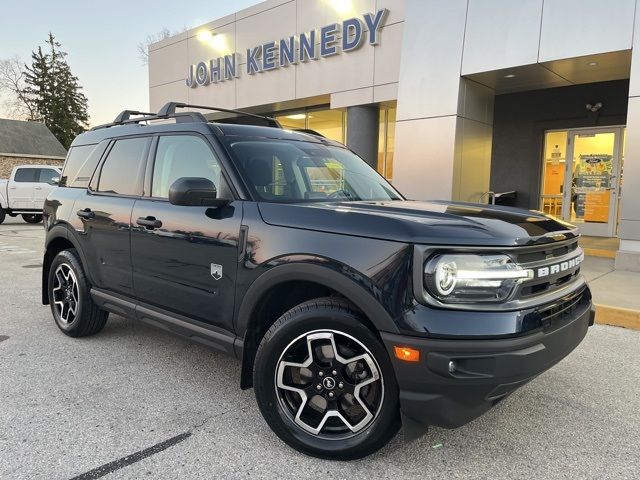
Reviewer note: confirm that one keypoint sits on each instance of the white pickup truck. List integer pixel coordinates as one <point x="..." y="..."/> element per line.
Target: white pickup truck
<point x="26" y="190"/>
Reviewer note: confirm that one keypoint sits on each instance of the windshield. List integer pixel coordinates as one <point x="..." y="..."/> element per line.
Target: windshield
<point x="291" y="171"/>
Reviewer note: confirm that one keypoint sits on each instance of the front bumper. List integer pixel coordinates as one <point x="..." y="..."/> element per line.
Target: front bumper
<point x="456" y="380"/>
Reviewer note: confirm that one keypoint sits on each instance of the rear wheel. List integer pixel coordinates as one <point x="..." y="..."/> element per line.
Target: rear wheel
<point x="73" y="310"/>
<point x="324" y="382"/>
<point x="31" y="217"/>
<point x="3" y="215"/>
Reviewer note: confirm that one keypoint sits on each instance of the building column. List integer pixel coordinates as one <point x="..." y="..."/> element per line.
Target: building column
<point x="363" y="127"/>
<point x="444" y="123"/>
<point x="628" y="256"/>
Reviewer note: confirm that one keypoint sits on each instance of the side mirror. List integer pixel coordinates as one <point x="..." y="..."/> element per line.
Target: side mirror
<point x="54" y="181"/>
<point x="195" y="192"/>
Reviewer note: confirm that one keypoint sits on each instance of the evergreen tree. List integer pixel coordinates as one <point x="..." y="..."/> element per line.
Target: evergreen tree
<point x="55" y="94"/>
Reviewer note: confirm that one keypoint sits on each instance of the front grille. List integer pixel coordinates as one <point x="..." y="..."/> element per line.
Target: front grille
<point x="547" y="252"/>
<point x="546" y="257"/>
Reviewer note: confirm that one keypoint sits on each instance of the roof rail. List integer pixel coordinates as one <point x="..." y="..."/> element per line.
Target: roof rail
<point x="169" y="111"/>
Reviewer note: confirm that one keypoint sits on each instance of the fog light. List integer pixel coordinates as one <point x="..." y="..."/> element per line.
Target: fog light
<point x="452" y="366"/>
<point x="407" y="354"/>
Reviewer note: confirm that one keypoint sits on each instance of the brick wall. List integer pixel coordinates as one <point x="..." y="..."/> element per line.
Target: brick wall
<point x="7" y="163"/>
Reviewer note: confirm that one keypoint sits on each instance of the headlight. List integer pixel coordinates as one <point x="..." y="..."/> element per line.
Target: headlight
<point x="466" y="278"/>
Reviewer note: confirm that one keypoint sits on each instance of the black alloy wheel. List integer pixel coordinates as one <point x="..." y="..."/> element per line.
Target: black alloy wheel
<point x="72" y="307"/>
<point x="324" y="381"/>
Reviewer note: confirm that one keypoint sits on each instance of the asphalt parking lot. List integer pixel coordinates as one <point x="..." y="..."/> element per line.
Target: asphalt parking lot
<point x="68" y="407"/>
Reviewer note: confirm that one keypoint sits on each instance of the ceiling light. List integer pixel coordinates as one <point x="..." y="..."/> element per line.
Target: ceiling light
<point x="510" y="75"/>
<point x="592" y="64"/>
<point x="296" y="116"/>
<point x="205" y="35"/>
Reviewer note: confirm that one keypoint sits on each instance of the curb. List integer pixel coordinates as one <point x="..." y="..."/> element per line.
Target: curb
<point x="618" y="317"/>
<point x="599" y="252"/>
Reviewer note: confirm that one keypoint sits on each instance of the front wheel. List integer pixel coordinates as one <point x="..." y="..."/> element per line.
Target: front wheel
<point x="31" y="217"/>
<point x="3" y="215"/>
<point x="324" y="382"/>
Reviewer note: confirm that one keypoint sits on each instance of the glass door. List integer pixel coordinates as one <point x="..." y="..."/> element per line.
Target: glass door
<point x="590" y="186"/>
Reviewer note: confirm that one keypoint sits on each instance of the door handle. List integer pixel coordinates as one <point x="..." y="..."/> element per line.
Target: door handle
<point x="37" y="188"/>
<point x="12" y="188"/>
<point x="87" y="214"/>
<point x="150" y="223"/>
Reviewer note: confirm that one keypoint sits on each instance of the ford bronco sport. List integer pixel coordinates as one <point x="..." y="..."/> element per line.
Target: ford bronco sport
<point x="353" y="310"/>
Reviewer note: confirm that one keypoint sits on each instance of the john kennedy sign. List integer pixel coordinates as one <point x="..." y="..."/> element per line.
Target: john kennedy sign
<point x="330" y="40"/>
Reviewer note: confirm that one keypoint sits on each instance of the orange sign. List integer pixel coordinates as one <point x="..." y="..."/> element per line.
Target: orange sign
<point x="596" y="206"/>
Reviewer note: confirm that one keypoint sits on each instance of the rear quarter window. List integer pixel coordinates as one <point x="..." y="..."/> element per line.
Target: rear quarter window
<point x="80" y="165"/>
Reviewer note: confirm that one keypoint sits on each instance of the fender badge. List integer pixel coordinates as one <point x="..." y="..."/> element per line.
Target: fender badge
<point x="216" y="271"/>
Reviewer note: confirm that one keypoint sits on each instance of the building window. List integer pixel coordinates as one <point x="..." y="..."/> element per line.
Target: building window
<point x="555" y="151"/>
<point x="582" y="177"/>
<point x="386" y="142"/>
<point x="328" y="123"/>
<point x="293" y="121"/>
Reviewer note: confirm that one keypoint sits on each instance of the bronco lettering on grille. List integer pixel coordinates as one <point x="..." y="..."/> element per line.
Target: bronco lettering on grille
<point x="560" y="267"/>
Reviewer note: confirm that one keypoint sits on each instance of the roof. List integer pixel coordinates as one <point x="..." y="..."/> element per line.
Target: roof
<point x="28" y="138"/>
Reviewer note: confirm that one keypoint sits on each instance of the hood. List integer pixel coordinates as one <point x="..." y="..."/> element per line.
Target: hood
<point x="433" y="222"/>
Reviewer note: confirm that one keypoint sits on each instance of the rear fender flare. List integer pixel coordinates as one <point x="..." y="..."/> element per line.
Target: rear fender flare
<point x="61" y="231"/>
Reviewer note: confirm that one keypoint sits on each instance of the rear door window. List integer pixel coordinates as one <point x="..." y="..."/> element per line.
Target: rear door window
<point x="122" y="170"/>
<point x="25" y="175"/>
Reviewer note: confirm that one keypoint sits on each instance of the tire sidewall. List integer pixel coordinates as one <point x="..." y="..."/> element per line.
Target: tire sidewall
<point x="364" y="442"/>
<point x="69" y="258"/>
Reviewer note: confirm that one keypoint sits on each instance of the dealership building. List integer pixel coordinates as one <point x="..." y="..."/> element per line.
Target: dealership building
<point x="449" y="99"/>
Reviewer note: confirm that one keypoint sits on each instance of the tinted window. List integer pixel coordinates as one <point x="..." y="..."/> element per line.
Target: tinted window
<point x="293" y="171"/>
<point x="46" y="174"/>
<point x="121" y="170"/>
<point x="80" y="165"/>
<point x="25" y="175"/>
<point x="182" y="156"/>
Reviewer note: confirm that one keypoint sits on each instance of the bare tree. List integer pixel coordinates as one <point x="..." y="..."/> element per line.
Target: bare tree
<point x="143" y="47"/>
<point x="15" y="101"/>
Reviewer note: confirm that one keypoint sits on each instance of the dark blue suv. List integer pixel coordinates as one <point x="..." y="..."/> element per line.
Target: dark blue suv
<point x="354" y="311"/>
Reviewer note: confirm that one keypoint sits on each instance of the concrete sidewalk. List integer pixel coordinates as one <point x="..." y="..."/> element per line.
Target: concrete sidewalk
<point x="616" y="293"/>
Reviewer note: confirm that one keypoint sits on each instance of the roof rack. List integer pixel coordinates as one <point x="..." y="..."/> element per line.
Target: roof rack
<point x="126" y="115"/>
<point x="169" y="111"/>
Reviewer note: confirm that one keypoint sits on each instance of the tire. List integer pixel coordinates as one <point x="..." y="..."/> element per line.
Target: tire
<point x="3" y="215"/>
<point x="68" y="286"/>
<point x="316" y="429"/>
<point x="32" y="217"/>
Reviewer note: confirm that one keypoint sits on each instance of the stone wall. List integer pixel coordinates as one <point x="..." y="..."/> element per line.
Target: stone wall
<point x="7" y="163"/>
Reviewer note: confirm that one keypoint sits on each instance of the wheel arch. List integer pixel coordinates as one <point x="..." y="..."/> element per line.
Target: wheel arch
<point x="58" y="239"/>
<point x="256" y="314"/>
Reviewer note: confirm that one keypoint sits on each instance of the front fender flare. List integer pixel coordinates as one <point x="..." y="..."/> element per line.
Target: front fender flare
<point x="356" y="288"/>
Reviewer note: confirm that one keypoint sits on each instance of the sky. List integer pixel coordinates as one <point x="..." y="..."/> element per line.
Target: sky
<point x="102" y="50"/>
